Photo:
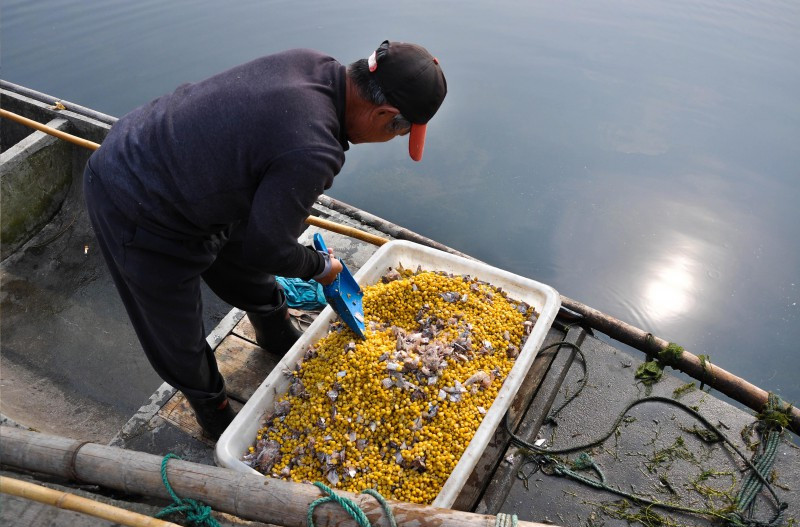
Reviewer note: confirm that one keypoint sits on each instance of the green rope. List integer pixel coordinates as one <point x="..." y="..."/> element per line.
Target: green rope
<point x="196" y="512"/>
<point x="377" y="495"/>
<point x="776" y="414"/>
<point x="585" y="461"/>
<point x="771" y="422"/>
<point x="505" y="520"/>
<point x="704" y="365"/>
<point x="549" y="465"/>
<point x="349" y="506"/>
<point x="560" y="469"/>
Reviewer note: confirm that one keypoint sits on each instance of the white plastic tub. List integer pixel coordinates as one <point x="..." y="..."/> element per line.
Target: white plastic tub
<point x="241" y="434"/>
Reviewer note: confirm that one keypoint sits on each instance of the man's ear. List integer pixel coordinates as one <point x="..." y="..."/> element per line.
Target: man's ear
<point x="385" y="112"/>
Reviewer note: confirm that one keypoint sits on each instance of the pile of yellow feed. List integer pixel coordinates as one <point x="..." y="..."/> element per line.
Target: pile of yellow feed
<point x="396" y="411"/>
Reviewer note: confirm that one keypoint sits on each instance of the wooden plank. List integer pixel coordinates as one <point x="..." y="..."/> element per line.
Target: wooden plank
<point x="244" y="330"/>
<point x="492" y="455"/>
<point x="244" y="366"/>
<point x="300" y="317"/>
<point x="178" y="413"/>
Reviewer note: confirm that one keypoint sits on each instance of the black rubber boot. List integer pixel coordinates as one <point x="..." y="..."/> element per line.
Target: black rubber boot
<point x="274" y="330"/>
<point x="213" y="414"/>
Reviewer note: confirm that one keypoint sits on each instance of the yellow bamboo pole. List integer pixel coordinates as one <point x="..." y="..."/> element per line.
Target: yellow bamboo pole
<point x="318" y="222"/>
<point x="346" y="230"/>
<point x="311" y="220"/>
<point x="72" y="502"/>
<point x="49" y="130"/>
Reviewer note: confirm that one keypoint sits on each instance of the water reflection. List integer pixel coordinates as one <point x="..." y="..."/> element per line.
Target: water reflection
<point x="669" y="288"/>
<point x="661" y="263"/>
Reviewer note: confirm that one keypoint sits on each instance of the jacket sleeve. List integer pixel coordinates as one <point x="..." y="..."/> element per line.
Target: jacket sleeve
<point x="281" y="203"/>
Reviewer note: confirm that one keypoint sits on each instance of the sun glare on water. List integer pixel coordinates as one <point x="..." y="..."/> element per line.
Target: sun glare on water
<point x="668" y="293"/>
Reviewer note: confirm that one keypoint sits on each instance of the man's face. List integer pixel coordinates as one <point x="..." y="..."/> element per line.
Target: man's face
<point x="378" y="126"/>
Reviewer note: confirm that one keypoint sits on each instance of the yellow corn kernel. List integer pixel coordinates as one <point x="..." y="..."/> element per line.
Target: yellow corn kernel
<point x="388" y="436"/>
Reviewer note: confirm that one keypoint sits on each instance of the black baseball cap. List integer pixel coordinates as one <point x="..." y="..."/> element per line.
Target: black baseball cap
<point x="412" y="81"/>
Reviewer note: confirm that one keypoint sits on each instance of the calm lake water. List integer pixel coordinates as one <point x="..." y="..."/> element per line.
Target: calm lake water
<point x="640" y="157"/>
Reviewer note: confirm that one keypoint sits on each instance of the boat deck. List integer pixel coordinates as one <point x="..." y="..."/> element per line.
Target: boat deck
<point x="658" y="450"/>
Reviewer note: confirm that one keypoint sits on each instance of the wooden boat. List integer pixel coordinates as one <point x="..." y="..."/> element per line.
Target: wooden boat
<point x="647" y="442"/>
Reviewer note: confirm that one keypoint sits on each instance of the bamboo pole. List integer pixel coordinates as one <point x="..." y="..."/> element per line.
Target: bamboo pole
<point x="49" y="130"/>
<point x="72" y="502"/>
<point x="346" y="230"/>
<point x="391" y="229"/>
<point x="248" y="496"/>
<point x="311" y="220"/>
<point x="717" y="378"/>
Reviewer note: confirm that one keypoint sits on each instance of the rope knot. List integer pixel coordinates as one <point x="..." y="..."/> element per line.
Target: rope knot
<point x="199" y="512"/>
<point x="349" y="506"/>
<point x="196" y="512"/>
<point x="775" y="414"/>
<point x="583" y="461"/>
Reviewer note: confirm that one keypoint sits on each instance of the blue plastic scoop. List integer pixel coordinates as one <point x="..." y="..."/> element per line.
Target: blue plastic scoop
<point x="344" y="295"/>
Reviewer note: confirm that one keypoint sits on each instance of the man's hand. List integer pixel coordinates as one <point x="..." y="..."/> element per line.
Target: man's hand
<point x="336" y="268"/>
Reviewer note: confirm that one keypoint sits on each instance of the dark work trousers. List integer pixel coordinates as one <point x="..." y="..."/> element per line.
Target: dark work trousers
<point x="158" y="280"/>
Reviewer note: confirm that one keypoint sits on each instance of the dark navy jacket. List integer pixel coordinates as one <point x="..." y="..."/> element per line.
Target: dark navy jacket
<point x="253" y="146"/>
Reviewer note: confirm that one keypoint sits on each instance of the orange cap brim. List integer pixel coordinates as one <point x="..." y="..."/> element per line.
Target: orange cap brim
<point x="416" y="141"/>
